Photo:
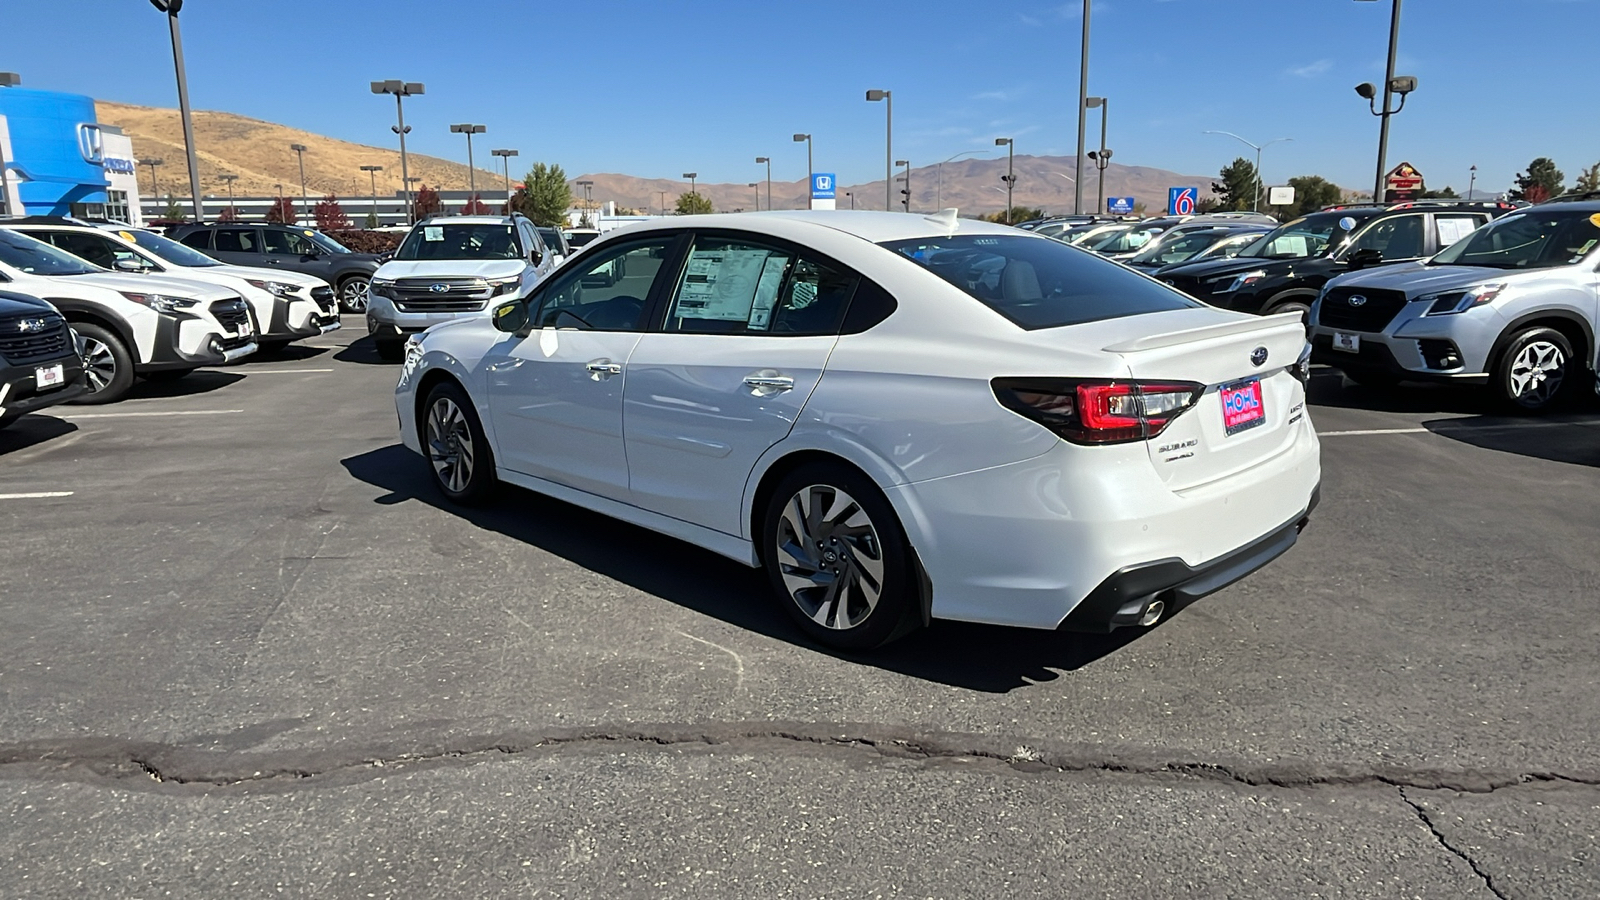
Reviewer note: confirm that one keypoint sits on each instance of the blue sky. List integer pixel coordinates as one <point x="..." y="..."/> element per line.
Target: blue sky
<point x="657" y="89"/>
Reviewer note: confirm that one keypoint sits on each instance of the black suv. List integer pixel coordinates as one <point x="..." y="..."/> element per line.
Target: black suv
<point x="1286" y="270"/>
<point x="39" y="362"/>
<point x="292" y="247"/>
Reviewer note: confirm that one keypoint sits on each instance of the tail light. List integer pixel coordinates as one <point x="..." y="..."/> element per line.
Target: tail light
<point x="1098" y="412"/>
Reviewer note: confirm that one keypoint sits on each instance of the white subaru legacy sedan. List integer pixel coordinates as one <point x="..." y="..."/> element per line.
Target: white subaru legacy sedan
<point x="899" y="417"/>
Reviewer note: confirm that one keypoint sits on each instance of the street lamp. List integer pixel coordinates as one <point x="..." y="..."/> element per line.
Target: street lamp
<point x="757" y="186"/>
<point x="1392" y="84"/>
<point x="888" y="144"/>
<point x="505" y="157"/>
<point x="300" y="150"/>
<point x="691" y="176"/>
<point x="852" y="199"/>
<point x="152" y="162"/>
<point x="1083" y="112"/>
<point x="768" y="161"/>
<point x="1257" y="206"/>
<point x="1010" y="178"/>
<point x="1472" y="179"/>
<point x="663" y="202"/>
<point x="588" y="201"/>
<point x="401" y="90"/>
<point x="810" y="172"/>
<point x="171" y="8"/>
<point x="469" y="130"/>
<point x="7" y="79"/>
<point x="938" y="201"/>
<point x="1101" y="159"/>
<point x="372" y="174"/>
<point x="1104" y="157"/>
<point x="905" y="193"/>
<point x="229" y="180"/>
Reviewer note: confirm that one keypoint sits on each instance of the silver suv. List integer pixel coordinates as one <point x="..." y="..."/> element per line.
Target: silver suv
<point x="1513" y="305"/>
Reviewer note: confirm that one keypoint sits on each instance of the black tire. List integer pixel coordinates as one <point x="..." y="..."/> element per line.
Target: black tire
<point x="1372" y="378"/>
<point x="449" y="443"/>
<point x="838" y="549"/>
<point x="108" y="363"/>
<point x="389" y="351"/>
<point x="1303" y="307"/>
<point x="166" y="374"/>
<point x="352" y="292"/>
<point x="1548" y="381"/>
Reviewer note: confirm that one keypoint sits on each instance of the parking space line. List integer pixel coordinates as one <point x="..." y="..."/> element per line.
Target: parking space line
<point x="1449" y="425"/>
<point x="272" y="371"/>
<point x="1372" y="431"/>
<point x="36" y="495"/>
<point x="130" y="415"/>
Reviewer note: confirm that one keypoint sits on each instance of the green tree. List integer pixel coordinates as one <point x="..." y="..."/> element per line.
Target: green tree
<point x="1541" y="182"/>
<point x="692" y="204"/>
<point x="372" y="220"/>
<point x="1018" y="214"/>
<point x="1589" y="180"/>
<point x="1449" y="193"/>
<point x="1237" y="189"/>
<point x="1313" y="192"/>
<point x="544" y="196"/>
<point x="173" y="212"/>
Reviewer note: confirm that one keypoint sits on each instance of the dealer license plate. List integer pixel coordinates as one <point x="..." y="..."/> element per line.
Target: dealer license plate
<point x="47" y="377"/>
<point x="1242" y="408"/>
<point x="1349" y="343"/>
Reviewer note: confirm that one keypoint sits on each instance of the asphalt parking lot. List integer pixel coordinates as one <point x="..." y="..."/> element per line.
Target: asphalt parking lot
<point x="245" y="650"/>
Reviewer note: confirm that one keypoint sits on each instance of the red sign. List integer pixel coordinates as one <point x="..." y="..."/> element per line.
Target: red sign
<point x="1403" y="182"/>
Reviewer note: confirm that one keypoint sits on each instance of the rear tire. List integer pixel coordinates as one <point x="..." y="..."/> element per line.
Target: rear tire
<point x="1535" y="370"/>
<point x="108" y="366"/>
<point x="837" y="557"/>
<point x="353" y="295"/>
<point x="454" y="444"/>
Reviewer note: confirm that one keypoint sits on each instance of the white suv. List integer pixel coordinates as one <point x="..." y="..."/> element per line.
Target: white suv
<point x="288" y="306"/>
<point x="129" y="324"/>
<point x="452" y="268"/>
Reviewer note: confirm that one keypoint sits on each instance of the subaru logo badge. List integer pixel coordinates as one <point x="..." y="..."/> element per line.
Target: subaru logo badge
<point x="28" y="326"/>
<point x="439" y="287"/>
<point x="1258" y="356"/>
<point x="1357" y="300"/>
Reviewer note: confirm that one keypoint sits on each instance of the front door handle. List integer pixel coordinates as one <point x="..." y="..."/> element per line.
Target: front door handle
<point x="768" y="381"/>
<point x="601" y="369"/>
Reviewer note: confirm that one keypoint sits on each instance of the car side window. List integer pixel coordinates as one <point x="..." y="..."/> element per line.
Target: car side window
<point x="237" y="240"/>
<point x="286" y="242"/>
<point x="1398" y="238"/>
<point x="606" y="292"/>
<point x="733" y="286"/>
<point x="200" y="240"/>
<point x="86" y="247"/>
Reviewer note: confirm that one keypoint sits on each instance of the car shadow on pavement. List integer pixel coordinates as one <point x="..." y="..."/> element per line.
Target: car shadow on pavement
<point x="30" y="431"/>
<point x="363" y="351"/>
<point x="977" y="657"/>
<point x="290" y="353"/>
<point x="203" y="381"/>
<point x="1329" y="388"/>
<point x="1575" y="441"/>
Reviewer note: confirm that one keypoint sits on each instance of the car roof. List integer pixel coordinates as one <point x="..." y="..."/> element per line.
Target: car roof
<point x="1583" y="205"/>
<point x="468" y="220"/>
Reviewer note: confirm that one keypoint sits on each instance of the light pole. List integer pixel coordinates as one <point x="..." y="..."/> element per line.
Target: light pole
<point x="1472" y="180"/>
<point x="155" y="184"/>
<point x="757" y="186"/>
<point x="401" y="90"/>
<point x="1401" y="85"/>
<point x="939" y="191"/>
<point x="663" y="202"/>
<point x="905" y="193"/>
<point x="1257" y="205"/>
<point x="300" y="151"/>
<point x="1010" y="178"/>
<point x="809" y="170"/>
<point x="588" y="201"/>
<point x="888" y="145"/>
<point x="229" y="180"/>
<point x="171" y="8"/>
<point x="691" y="176"/>
<point x="372" y="174"/>
<point x="7" y="79"/>
<point x="1104" y="157"/>
<point x="1083" y="112"/>
<point x="768" y="161"/>
<point x="852" y="199"/>
<point x="1101" y="158"/>
<point x="469" y="130"/>
<point x="505" y="157"/>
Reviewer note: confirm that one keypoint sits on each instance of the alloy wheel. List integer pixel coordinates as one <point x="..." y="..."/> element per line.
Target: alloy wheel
<point x="1536" y="373"/>
<point x="830" y="557"/>
<point x="450" y="447"/>
<point x="353" y="295"/>
<point x="99" y="364"/>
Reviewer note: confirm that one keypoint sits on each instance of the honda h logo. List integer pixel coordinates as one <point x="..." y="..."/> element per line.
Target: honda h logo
<point x="439" y="287"/>
<point x="1258" y="356"/>
<point x="1357" y="300"/>
<point x="29" y="326"/>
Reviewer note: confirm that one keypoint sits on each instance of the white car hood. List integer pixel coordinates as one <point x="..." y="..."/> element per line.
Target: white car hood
<point x="458" y="268"/>
<point x="155" y="284"/>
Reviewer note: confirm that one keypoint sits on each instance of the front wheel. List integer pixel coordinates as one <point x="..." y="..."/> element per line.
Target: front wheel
<point x="457" y="450"/>
<point x="107" y="365"/>
<point x="1533" y="370"/>
<point x="836" y="557"/>
<point x="353" y="295"/>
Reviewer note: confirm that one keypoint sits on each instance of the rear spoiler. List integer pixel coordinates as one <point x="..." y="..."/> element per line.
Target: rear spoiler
<point x="1244" y="325"/>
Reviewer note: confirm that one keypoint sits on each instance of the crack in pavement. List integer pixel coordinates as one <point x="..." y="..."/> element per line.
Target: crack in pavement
<point x="128" y="761"/>
<point x="1445" y="843"/>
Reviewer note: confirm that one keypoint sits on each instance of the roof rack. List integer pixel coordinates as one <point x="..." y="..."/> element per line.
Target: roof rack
<point x="1415" y="204"/>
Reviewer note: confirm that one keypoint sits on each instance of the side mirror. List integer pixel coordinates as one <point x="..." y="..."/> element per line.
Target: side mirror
<point x="1366" y="256"/>
<point x="129" y="265"/>
<point x="535" y="257"/>
<point x="510" y="317"/>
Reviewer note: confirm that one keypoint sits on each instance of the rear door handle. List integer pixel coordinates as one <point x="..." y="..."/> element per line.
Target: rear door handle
<point x="601" y="369"/>
<point x="768" y="381"/>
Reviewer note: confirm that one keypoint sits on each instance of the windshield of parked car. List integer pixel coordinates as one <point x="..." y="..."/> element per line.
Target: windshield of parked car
<point x="455" y="241"/>
<point x="576" y="239"/>
<point x="1084" y="235"/>
<point x="326" y="243"/>
<point x="1124" y="241"/>
<point x="1039" y="283"/>
<point x="1535" y="239"/>
<point x="1173" y="248"/>
<point x="1298" y="239"/>
<point x="168" y="249"/>
<point x="1229" y="246"/>
<point x="38" y="258"/>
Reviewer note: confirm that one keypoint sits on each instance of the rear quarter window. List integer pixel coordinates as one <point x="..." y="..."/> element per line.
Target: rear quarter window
<point x="1037" y="282"/>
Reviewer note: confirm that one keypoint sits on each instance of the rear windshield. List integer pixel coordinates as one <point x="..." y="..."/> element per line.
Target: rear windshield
<point x="1040" y="283"/>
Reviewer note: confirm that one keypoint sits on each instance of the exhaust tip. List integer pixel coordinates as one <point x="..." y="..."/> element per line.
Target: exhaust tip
<point x="1152" y="613"/>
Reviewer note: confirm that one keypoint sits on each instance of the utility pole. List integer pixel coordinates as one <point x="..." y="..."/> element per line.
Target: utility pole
<point x="229" y="180"/>
<point x="372" y="174"/>
<point x="401" y="90"/>
<point x="469" y="130"/>
<point x="905" y="193"/>
<point x="171" y="8"/>
<point x="888" y="144"/>
<point x="768" y="161"/>
<point x="155" y="184"/>
<point x="300" y="150"/>
<point x="505" y="157"/>
<point x="1010" y="178"/>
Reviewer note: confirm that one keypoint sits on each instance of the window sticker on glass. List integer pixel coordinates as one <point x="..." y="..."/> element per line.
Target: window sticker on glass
<point x="433" y="232"/>
<point x="721" y="283"/>
<point x="767" y="292"/>
<point x="1289" y="245"/>
<point x="1452" y="230"/>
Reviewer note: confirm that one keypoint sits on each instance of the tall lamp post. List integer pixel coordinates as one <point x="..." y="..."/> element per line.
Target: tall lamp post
<point x="888" y="144"/>
<point x="1101" y="159"/>
<point x="588" y="199"/>
<point x="229" y="180"/>
<point x="1083" y="112"/>
<point x="905" y="192"/>
<point x="401" y="90"/>
<point x="1472" y="180"/>
<point x="1010" y="178"/>
<point x="155" y="184"/>
<point x="691" y="176"/>
<point x="171" y="8"/>
<point x="663" y="202"/>
<point x="372" y="175"/>
<point x="7" y="79"/>
<point x="757" y="186"/>
<point x="1392" y="84"/>
<point x="300" y="151"/>
<point x="768" y="161"/>
<point x="810" y="171"/>
<point x="469" y="130"/>
<point x="939" y="191"/>
<point x="1257" y="205"/>
<point x="505" y="157"/>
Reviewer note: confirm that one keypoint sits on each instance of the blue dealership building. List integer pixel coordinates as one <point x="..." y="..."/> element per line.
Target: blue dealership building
<point x="60" y="161"/>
